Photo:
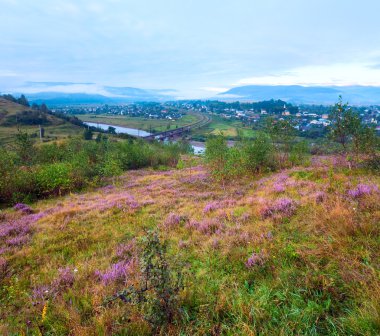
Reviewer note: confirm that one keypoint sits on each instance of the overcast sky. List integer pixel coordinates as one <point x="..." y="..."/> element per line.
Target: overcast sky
<point x="198" y="47"/>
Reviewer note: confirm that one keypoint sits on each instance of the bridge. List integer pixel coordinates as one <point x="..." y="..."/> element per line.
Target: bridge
<point x="180" y="131"/>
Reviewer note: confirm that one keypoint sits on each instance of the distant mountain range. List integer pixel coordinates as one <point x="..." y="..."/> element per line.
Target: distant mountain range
<point x="51" y="95"/>
<point x="305" y="94"/>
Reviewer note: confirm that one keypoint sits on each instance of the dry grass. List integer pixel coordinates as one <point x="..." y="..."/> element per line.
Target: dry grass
<point x="320" y="263"/>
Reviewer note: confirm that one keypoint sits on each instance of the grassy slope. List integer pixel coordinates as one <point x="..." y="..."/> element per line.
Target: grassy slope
<point x="318" y="271"/>
<point x="140" y="123"/>
<point x="58" y="128"/>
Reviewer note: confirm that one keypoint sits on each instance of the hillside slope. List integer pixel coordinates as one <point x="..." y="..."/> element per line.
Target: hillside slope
<point x="291" y="253"/>
<point x="14" y="116"/>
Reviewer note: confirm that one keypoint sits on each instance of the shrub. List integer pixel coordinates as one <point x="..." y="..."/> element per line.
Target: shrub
<point x="54" y="178"/>
<point x="258" y="155"/>
<point x="299" y="154"/>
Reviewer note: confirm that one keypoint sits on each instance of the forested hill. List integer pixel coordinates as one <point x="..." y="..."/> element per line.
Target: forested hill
<point x="18" y="112"/>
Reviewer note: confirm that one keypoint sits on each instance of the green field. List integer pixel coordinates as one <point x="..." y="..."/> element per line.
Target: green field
<point x="229" y="128"/>
<point x="158" y="125"/>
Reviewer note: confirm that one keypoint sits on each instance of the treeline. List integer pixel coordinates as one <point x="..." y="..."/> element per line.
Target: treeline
<point x="29" y="172"/>
<point x="278" y="146"/>
<point x="22" y="100"/>
<point x="35" y="114"/>
<point x="271" y="106"/>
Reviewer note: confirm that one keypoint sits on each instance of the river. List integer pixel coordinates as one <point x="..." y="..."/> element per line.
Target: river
<point x="197" y="146"/>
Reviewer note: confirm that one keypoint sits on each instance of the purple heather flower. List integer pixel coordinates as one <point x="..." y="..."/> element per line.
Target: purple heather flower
<point x="125" y="250"/>
<point x="211" y="207"/>
<point x="283" y="206"/>
<point x="172" y="220"/>
<point x="65" y="278"/>
<point x="255" y="259"/>
<point x="116" y="272"/>
<point x="26" y="209"/>
<point x="362" y="190"/>
<point x="41" y="292"/>
<point x="320" y="196"/>
<point x="278" y="187"/>
<point x="210" y="226"/>
<point x="18" y="240"/>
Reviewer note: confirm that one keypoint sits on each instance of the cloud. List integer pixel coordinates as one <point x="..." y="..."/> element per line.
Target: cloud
<point x="197" y="47"/>
<point x="332" y="74"/>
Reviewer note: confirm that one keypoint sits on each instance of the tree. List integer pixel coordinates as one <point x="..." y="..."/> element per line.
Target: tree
<point x="24" y="147"/>
<point x="111" y="130"/>
<point x="343" y="122"/>
<point x="223" y="162"/>
<point x="23" y="101"/>
<point x="44" y="108"/>
<point x="282" y="133"/>
<point x="87" y="134"/>
<point x="258" y="154"/>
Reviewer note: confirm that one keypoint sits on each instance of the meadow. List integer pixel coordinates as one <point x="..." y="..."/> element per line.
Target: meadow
<point x="124" y="237"/>
<point x="294" y="252"/>
<point x="159" y="125"/>
<point x="231" y="129"/>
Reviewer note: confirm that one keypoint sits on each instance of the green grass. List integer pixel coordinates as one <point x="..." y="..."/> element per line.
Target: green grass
<point x="229" y="128"/>
<point x="141" y="123"/>
<point x="58" y="129"/>
<point x="56" y="132"/>
<point x="318" y="273"/>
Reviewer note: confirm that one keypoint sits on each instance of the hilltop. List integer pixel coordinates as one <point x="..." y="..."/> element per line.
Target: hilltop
<point x="14" y="116"/>
<point x="289" y="253"/>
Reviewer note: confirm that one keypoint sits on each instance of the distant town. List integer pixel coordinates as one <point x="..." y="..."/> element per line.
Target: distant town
<point x="312" y="120"/>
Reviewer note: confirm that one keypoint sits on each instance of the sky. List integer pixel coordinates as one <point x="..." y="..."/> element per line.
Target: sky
<point x="196" y="47"/>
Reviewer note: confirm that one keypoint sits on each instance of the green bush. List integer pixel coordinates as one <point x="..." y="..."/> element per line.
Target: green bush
<point x="28" y="171"/>
<point x="54" y="178"/>
<point x="300" y="154"/>
<point x="258" y="155"/>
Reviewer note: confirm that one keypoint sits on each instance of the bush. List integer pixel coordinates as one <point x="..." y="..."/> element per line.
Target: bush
<point x="54" y="178"/>
<point x="29" y="171"/>
<point x="224" y="163"/>
<point x="299" y="154"/>
<point x="258" y="155"/>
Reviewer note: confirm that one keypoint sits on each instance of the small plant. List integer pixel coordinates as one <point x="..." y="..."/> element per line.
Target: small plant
<point x="157" y="294"/>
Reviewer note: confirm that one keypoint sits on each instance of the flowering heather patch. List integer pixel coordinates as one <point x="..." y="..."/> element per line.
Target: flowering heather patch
<point x="211" y="207"/>
<point x="41" y="293"/>
<point x="26" y="209"/>
<point x="282" y="177"/>
<point x="320" y="196"/>
<point x="172" y="220"/>
<point x="17" y="232"/>
<point x="107" y="188"/>
<point x="116" y="272"/>
<point x="18" y="240"/>
<point x="126" y="250"/>
<point x="282" y="206"/>
<point x="65" y="278"/>
<point x="195" y="178"/>
<point x="192" y="224"/>
<point x="362" y="190"/>
<point x="210" y="226"/>
<point x="256" y="259"/>
<point x="3" y="265"/>
<point x="278" y="187"/>
<point x="4" y="250"/>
